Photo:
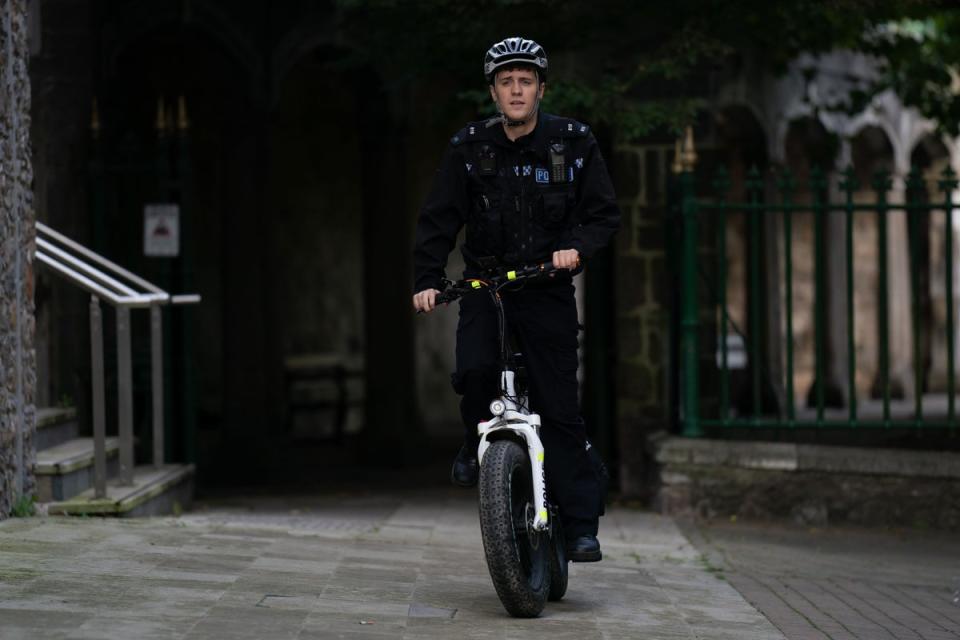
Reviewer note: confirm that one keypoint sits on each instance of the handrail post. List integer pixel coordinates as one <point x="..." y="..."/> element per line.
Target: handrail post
<point x="125" y="395"/>
<point x="156" y="363"/>
<point x="99" y="400"/>
<point x="690" y="323"/>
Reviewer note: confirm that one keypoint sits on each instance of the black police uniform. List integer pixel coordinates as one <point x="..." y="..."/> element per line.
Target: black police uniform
<point x="520" y="201"/>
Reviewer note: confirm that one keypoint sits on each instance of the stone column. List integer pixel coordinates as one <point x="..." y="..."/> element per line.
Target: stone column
<point x="836" y="365"/>
<point x="899" y="294"/>
<point x="17" y="359"/>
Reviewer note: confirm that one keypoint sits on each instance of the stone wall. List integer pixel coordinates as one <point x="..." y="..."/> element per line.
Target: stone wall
<point x="17" y="361"/>
<point x="642" y="321"/>
<point x="811" y="485"/>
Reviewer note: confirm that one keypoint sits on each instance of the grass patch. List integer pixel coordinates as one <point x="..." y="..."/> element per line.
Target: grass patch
<point x="24" y="507"/>
<point x="710" y="567"/>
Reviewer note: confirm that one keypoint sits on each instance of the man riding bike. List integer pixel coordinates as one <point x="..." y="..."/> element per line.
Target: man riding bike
<point x="529" y="187"/>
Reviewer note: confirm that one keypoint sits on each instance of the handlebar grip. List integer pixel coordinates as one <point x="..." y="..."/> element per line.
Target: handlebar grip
<point x="535" y="269"/>
<point x="446" y="296"/>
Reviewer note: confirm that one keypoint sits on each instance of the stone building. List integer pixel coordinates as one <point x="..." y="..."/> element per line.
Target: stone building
<point x="298" y="177"/>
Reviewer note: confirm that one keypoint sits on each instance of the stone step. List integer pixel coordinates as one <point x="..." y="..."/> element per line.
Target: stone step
<point x="66" y="469"/>
<point x="55" y="425"/>
<point x="155" y="491"/>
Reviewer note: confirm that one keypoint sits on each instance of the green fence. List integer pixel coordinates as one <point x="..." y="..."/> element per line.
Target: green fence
<point x="706" y="207"/>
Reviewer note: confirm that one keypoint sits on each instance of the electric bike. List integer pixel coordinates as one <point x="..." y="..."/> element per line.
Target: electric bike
<point x="522" y="536"/>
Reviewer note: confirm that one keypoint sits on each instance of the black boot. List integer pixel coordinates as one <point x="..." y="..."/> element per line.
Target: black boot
<point x="466" y="468"/>
<point x="585" y="548"/>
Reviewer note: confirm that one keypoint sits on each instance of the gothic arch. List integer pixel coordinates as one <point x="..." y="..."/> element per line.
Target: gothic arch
<point x="133" y="22"/>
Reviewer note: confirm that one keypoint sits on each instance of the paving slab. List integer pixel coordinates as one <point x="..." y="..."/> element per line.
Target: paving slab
<point x="839" y="582"/>
<point x="408" y="564"/>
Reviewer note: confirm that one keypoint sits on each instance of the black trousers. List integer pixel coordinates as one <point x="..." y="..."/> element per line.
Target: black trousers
<point x="543" y="322"/>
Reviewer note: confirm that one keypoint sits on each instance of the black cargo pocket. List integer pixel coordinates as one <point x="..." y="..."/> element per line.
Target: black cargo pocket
<point x="568" y="360"/>
<point x="552" y="209"/>
<point x="484" y="221"/>
<point x="602" y="475"/>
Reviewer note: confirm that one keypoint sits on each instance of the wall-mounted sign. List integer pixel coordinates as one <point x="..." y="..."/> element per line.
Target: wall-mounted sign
<point x="161" y="230"/>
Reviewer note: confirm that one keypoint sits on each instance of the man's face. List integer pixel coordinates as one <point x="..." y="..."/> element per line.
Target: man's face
<point x="516" y="90"/>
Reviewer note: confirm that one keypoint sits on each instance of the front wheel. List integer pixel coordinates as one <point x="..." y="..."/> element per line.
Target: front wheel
<point x="518" y="557"/>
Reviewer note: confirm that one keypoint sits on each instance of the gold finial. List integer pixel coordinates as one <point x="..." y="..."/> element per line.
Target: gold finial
<point x="183" y="123"/>
<point x="161" y="122"/>
<point x="95" y="120"/>
<point x="689" y="152"/>
<point x="677" y="165"/>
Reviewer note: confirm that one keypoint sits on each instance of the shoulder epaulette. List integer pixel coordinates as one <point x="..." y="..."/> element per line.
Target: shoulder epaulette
<point x="470" y="133"/>
<point x="568" y="128"/>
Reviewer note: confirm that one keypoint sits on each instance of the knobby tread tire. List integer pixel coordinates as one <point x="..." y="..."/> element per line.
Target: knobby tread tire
<point x="520" y="598"/>
<point x="559" y="564"/>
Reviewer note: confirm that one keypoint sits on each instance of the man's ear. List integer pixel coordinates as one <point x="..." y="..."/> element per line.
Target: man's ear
<point x="543" y="87"/>
<point x="493" y="93"/>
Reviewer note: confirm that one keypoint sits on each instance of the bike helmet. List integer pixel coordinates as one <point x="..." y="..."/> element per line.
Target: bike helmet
<point x="512" y="51"/>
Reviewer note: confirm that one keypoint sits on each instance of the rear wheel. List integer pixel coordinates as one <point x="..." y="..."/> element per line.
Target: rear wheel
<point x="517" y="556"/>
<point x="559" y="564"/>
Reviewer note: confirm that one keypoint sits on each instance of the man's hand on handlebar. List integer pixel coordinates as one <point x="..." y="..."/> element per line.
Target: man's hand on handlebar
<point x="566" y="259"/>
<point x="426" y="300"/>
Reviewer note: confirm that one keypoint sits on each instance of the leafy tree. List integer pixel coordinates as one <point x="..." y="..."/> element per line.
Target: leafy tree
<point x="919" y="59"/>
<point x="646" y="66"/>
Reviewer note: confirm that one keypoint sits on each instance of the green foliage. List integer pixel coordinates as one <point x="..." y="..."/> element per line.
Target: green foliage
<point x="24" y="507"/>
<point x="647" y="66"/>
<point x="921" y="61"/>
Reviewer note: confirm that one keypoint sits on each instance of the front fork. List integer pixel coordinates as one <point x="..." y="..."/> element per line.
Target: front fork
<point x="508" y="417"/>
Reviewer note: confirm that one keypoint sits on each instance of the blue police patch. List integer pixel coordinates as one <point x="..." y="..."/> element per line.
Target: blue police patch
<point x="542" y="176"/>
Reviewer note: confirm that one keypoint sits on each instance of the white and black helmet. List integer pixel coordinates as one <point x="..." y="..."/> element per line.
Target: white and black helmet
<point x="513" y="51"/>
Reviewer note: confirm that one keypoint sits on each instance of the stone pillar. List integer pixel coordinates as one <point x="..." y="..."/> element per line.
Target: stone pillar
<point x="641" y="324"/>
<point x="900" y="323"/>
<point x="17" y="359"/>
<point x="836" y="367"/>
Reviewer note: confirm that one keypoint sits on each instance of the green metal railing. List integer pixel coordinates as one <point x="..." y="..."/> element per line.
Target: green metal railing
<point x="704" y="306"/>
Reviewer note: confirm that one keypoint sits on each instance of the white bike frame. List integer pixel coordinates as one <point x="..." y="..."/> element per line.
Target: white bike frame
<point x="511" y="416"/>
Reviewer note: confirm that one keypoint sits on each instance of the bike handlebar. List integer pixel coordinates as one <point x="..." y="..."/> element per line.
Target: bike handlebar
<point x="462" y="287"/>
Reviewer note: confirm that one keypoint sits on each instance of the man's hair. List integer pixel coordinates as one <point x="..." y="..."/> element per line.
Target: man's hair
<point x="518" y="67"/>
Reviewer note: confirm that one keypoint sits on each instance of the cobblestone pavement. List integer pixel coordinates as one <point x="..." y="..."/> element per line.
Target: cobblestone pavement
<point x="840" y="583"/>
<point x="406" y="565"/>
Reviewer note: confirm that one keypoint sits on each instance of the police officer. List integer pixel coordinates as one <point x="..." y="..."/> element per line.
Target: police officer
<point x="529" y="187"/>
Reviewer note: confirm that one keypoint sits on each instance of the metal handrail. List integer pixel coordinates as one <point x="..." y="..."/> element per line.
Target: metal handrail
<point x="45" y="230"/>
<point x="89" y="271"/>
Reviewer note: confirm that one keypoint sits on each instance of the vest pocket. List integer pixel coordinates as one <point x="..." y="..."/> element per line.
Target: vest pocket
<point x="552" y="208"/>
<point x="484" y="222"/>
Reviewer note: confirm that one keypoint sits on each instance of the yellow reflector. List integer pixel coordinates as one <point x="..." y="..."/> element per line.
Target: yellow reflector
<point x="475" y="284"/>
<point x="511" y="275"/>
<point x="543" y="514"/>
<point x="540" y="457"/>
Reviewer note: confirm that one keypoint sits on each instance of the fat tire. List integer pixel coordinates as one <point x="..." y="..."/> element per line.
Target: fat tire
<point x="559" y="563"/>
<point x="504" y="471"/>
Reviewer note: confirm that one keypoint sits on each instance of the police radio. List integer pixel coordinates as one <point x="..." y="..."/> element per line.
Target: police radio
<point x="558" y="163"/>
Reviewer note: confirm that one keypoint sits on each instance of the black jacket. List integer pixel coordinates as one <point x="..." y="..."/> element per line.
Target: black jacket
<point x="520" y="200"/>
